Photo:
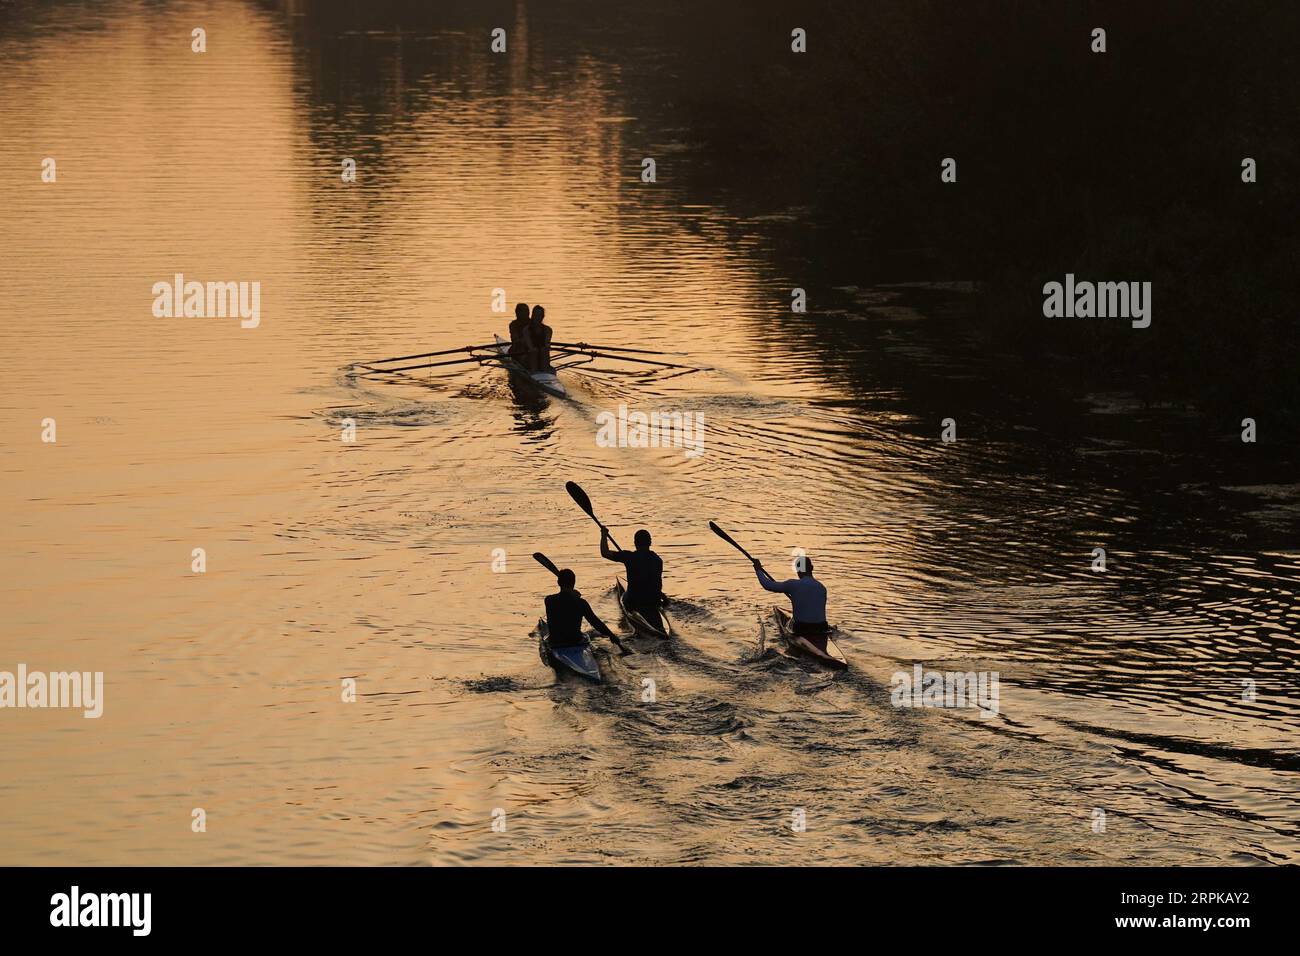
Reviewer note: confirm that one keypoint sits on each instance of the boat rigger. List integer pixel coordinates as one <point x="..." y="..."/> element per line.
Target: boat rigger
<point x="544" y="380"/>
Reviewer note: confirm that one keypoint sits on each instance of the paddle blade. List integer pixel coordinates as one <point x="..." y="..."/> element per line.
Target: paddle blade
<point x="546" y="562"/>
<point x="723" y="535"/>
<point x="577" y="494"/>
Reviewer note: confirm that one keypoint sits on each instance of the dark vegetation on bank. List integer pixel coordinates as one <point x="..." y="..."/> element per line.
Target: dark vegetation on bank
<point x="1122" y="166"/>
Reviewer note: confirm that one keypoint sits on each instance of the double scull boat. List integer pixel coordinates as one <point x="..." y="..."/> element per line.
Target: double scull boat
<point x="498" y="353"/>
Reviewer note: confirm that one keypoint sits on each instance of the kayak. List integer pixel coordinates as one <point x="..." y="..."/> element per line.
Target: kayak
<point x="640" y="625"/>
<point x="577" y="659"/>
<point x="809" y="647"/>
<point x="547" y="382"/>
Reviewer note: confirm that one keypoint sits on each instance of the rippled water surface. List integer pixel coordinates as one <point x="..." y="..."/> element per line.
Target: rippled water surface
<point x="374" y="560"/>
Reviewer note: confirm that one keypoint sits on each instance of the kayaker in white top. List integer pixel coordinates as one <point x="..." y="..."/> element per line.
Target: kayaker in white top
<point x="807" y="596"/>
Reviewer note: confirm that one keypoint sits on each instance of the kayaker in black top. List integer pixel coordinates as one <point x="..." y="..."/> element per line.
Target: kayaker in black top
<point x="565" y="611"/>
<point x="521" y="340"/>
<point x="540" y="339"/>
<point x="645" y="575"/>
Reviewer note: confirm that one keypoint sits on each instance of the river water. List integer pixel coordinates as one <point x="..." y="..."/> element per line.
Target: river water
<point x="401" y="560"/>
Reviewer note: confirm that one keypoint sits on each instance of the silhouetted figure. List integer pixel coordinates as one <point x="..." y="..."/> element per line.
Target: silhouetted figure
<point x="565" y="611"/>
<point x="521" y="339"/>
<point x="807" y="600"/>
<point x="645" y="575"/>
<point x="540" y="340"/>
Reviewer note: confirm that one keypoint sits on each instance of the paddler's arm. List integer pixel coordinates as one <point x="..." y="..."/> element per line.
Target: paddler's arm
<point x="601" y="627"/>
<point x="596" y="622"/>
<point x="605" y="553"/>
<point x="769" y="583"/>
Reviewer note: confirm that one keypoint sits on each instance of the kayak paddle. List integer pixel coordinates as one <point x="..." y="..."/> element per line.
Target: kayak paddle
<point x="584" y="502"/>
<point x="546" y="562"/>
<point x="731" y="541"/>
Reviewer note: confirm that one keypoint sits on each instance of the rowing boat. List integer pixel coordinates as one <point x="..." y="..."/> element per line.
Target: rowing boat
<point x="577" y="659"/>
<point x="565" y="355"/>
<point x="547" y="382"/>
<point x="809" y="647"/>
<point x="640" y="625"/>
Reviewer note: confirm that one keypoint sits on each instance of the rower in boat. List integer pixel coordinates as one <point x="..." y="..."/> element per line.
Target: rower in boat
<point x="807" y="599"/>
<point x="539" y="336"/>
<point x="645" y="575"/>
<point x="521" y="340"/>
<point x="565" y="611"/>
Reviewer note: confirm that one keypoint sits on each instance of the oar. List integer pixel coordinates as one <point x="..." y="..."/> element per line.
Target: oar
<point x="624" y="358"/>
<point x="584" y="502"/>
<point x="730" y="540"/>
<point x="407" y="368"/>
<point x="549" y="565"/>
<point x="612" y="348"/>
<point x="406" y="358"/>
